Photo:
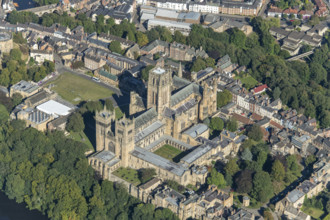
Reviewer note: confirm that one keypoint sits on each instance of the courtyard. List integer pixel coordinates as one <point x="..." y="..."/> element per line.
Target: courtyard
<point x="171" y="153"/>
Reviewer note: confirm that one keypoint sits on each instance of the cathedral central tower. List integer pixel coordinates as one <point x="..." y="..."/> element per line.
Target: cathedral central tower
<point x="159" y="89"/>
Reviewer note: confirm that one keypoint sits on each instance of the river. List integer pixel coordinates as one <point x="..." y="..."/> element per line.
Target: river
<point x="24" y="4"/>
<point x="10" y="210"/>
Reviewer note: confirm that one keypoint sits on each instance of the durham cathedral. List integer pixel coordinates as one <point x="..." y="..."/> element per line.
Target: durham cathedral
<point x="170" y="114"/>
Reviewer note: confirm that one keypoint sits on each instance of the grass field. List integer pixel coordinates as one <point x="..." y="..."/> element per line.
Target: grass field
<point x="76" y="89"/>
<point x="128" y="174"/>
<point x="169" y="152"/>
<point x="314" y="212"/>
<point x="249" y="82"/>
<point x="81" y="137"/>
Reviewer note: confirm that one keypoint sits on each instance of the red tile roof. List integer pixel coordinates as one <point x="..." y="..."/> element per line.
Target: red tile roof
<point x="260" y="88"/>
<point x="290" y="11"/>
<point x="242" y="119"/>
<point x="256" y="117"/>
<point x="276" y="125"/>
<point x="304" y="12"/>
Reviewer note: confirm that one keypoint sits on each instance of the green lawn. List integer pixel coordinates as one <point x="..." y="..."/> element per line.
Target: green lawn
<point x="314" y="212"/>
<point x="75" y="89"/>
<point x="249" y="82"/>
<point x="169" y="152"/>
<point x="128" y="174"/>
<point x="81" y="136"/>
<point x="118" y="113"/>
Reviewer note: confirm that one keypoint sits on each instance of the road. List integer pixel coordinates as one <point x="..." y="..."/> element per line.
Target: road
<point x="263" y="8"/>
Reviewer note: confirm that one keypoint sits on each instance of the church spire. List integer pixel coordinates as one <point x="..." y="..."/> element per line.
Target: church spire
<point x="180" y="71"/>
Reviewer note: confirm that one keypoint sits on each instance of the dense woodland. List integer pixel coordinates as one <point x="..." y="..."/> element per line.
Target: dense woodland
<point x="302" y="86"/>
<point x="50" y="173"/>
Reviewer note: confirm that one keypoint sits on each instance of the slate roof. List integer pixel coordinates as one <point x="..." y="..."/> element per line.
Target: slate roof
<point x="159" y="161"/>
<point x="196" y="130"/>
<point x="108" y="75"/>
<point x="154" y="44"/>
<point x="185" y="92"/>
<point x="145" y="117"/>
<point x="148" y="130"/>
<point x="197" y="153"/>
<point x="179" y="83"/>
<point x="294" y="195"/>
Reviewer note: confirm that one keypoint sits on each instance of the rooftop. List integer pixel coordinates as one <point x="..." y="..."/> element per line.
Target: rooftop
<point x="4" y="36"/>
<point x="159" y="70"/>
<point x="294" y="195"/>
<point x="25" y="86"/>
<point x="196" y="130"/>
<point x="54" y="108"/>
<point x="159" y="161"/>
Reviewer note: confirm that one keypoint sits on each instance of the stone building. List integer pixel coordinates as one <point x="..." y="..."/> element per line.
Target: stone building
<point x="6" y="42"/>
<point x="172" y="106"/>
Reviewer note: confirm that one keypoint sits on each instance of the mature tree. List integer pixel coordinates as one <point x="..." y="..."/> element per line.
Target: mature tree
<point x="243" y="181"/>
<point x="141" y="38"/>
<point x="293" y="165"/>
<point x="248" y="143"/>
<point x="4" y="115"/>
<point x="153" y="35"/>
<point x="262" y="186"/>
<point x="15" y="187"/>
<point x="276" y="93"/>
<point x="198" y="65"/>
<point x="216" y="178"/>
<point x="232" y="125"/>
<point x="237" y="37"/>
<point x="231" y="167"/>
<point x="109" y="105"/>
<point x="146" y="174"/>
<point x="145" y="72"/>
<point x="325" y="119"/>
<point x="15" y="54"/>
<point x="216" y="124"/>
<point x="17" y="98"/>
<point x="223" y="98"/>
<point x="115" y="47"/>
<point x="261" y="158"/>
<point x="4" y="77"/>
<point x="318" y="73"/>
<point x="179" y="37"/>
<point x="77" y="64"/>
<point x="278" y="171"/>
<point x="310" y="159"/>
<point x="75" y="123"/>
<point x="246" y="154"/>
<point x="255" y="133"/>
<point x="267" y="215"/>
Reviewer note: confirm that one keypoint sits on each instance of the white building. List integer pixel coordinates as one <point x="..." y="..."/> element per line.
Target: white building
<point x="41" y="56"/>
<point x="178" y="6"/>
<point x="204" y="8"/>
<point x="184" y="28"/>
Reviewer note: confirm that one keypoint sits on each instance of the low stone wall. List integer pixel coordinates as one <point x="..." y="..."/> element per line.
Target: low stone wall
<point x="132" y="190"/>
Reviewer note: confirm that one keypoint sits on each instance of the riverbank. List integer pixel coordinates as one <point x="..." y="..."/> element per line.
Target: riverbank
<point x="24" y="4"/>
<point x="10" y="210"/>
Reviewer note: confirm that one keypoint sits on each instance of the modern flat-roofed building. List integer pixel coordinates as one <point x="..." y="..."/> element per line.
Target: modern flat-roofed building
<point x="24" y="88"/>
<point x="183" y="27"/>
